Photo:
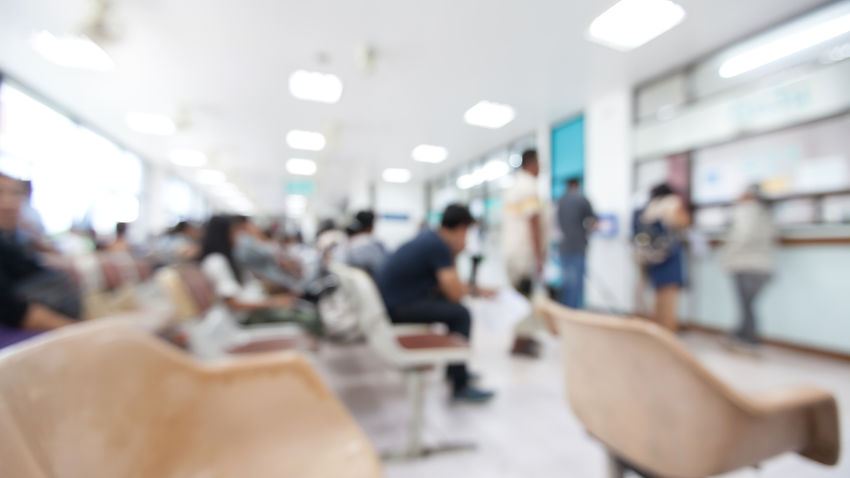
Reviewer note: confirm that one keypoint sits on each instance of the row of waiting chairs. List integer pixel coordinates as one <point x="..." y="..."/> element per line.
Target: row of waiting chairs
<point x="635" y="388"/>
<point x="114" y="283"/>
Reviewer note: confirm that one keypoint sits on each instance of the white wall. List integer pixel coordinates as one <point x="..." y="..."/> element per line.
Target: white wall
<point x="399" y="200"/>
<point x="608" y="185"/>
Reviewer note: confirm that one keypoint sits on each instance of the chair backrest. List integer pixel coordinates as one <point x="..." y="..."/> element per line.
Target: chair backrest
<point x="190" y="292"/>
<point x="125" y="264"/>
<point x="88" y="269"/>
<point x="96" y="393"/>
<point x="372" y="314"/>
<point x="104" y="399"/>
<point x="641" y="393"/>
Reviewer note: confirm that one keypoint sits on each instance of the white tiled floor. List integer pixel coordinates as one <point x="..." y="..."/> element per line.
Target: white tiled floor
<point x="528" y="430"/>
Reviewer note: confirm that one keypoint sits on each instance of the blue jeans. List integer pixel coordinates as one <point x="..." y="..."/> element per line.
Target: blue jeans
<point x="573" y="267"/>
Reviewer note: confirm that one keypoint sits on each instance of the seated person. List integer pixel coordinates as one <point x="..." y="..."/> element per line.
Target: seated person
<point x="30" y="231"/>
<point x="365" y="251"/>
<point x="25" y="310"/>
<point x="420" y="284"/>
<point x="120" y="244"/>
<point x="240" y="290"/>
<point x="180" y="243"/>
<point x="265" y="259"/>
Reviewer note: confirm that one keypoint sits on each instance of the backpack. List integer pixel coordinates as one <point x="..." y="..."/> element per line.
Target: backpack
<point x="654" y="242"/>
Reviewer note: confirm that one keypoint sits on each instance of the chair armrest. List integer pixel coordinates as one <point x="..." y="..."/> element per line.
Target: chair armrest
<point x="816" y="408"/>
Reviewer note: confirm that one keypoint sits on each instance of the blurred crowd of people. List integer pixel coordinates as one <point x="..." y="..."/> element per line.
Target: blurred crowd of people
<point x="273" y="275"/>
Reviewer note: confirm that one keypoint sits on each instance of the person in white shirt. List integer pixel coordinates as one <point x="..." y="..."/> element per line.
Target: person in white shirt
<point x="523" y="246"/>
<point x="748" y="256"/>
<point x="240" y="290"/>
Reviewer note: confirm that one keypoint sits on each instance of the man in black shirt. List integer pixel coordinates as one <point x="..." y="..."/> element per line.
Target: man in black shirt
<point x="17" y="267"/>
<point x="420" y="284"/>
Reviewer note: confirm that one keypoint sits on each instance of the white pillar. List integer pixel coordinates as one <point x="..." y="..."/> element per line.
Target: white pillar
<point x="609" y="167"/>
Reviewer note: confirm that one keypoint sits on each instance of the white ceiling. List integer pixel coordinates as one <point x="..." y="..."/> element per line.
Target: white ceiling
<point x="227" y="63"/>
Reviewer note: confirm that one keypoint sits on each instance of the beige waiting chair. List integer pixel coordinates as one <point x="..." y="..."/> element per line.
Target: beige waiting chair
<point x="656" y="409"/>
<point x="212" y="331"/>
<point x="412" y="349"/>
<point x="107" y="400"/>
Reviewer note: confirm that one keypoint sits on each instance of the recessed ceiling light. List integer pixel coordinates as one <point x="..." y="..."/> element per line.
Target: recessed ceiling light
<point x="397" y="175"/>
<point x="785" y="46"/>
<point x="71" y="51"/>
<point x="495" y="169"/>
<point x="489" y="115"/>
<point x="428" y="153"/>
<point x="188" y="158"/>
<point x="211" y="176"/>
<point x="148" y="123"/>
<point x="315" y="86"/>
<point x="632" y="23"/>
<point x="305" y="140"/>
<point x="303" y="167"/>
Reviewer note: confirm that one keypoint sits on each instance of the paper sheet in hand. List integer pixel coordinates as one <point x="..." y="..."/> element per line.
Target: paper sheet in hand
<point x="501" y="313"/>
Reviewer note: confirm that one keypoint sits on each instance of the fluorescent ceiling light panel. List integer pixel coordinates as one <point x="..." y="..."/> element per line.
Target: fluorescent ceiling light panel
<point x="305" y="140"/>
<point x="315" y="86"/>
<point x="495" y="169"/>
<point x="211" y="176"/>
<point x="188" y="158"/>
<point x="428" y="153"/>
<point x="147" y="123"/>
<point x="491" y="115"/>
<point x="466" y="181"/>
<point x="71" y="51"/>
<point x="397" y="175"/>
<point x="632" y="23"/>
<point x="785" y="46"/>
<point x="302" y="167"/>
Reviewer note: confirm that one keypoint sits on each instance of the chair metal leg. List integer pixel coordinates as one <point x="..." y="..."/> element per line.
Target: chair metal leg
<point x="616" y="468"/>
<point x="416" y="394"/>
<point x="415" y="448"/>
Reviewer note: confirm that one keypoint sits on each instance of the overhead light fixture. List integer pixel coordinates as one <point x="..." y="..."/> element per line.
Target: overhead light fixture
<point x="305" y="140"/>
<point x="188" y="158"/>
<point x="466" y="181"/>
<point x="785" y="46"/>
<point x="211" y="176"/>
<point x="74" y="51"/>
<point x="315" y="86"/>
<point x="515" y="160"/>
<point x="633" y="23"/>
<point x="397" y="175"/>
<point x="428" y="153"/>
<point x="489" y="115"/>
<point x="148" y="123"/>
<point x="495" y="169"/>
<point x="302" y="167"/>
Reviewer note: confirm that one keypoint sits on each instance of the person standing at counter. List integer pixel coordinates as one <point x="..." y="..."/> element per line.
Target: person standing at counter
<point x="748" y="256"/>
<point x="658" y="237"/>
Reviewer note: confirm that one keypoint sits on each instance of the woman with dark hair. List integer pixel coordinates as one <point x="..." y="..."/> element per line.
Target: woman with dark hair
<point x="659" y="240"/>
<point x="243" y="293"/>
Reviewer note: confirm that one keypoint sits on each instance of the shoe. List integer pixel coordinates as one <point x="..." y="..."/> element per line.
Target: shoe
<point x="472" y="395"/>
<point x="525" y="347"/>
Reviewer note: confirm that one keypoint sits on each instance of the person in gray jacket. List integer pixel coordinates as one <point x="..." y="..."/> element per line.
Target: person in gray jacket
<point x="748" y="256"/>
